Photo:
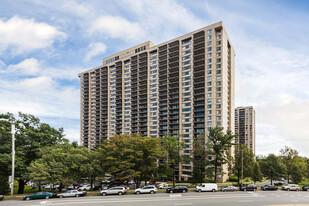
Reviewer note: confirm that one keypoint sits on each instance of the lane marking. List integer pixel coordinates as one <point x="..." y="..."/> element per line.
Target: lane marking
<point x="176" y="195"/>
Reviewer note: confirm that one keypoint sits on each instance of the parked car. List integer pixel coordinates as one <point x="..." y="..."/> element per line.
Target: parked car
<point x="248" y="187"/>
<point x="289" y="187"/>
<point x="146" y="189"/>
<point x="305" y="188"/>
<point x="163" y="186"/>
<point x="85" y="187"/>
<point x="113" y="191"/>
<point x="1" y="197"/>
<point x="178" y="188"/>
<point x="229" y="188"/>
<point x="39" y="195"/>
<point x="71" y="193"/>
<point x="269" y="187"/>
<point x="204" y="187"/>
<point x="278" y="183"/>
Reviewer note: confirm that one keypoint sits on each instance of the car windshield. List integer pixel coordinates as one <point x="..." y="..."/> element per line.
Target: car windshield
<point x="68" y="192"/>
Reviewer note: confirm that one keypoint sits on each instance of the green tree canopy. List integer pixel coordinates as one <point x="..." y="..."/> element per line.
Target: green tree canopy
<point x="272" y="168"/>
<point x="31" y="136"/>
<point x="218" y="145"/>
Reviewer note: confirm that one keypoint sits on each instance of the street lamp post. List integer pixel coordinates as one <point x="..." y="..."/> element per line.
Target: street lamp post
<point x="13" y="157"/>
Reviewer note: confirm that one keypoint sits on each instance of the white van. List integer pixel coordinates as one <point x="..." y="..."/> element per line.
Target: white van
<point x="207" y="187"/>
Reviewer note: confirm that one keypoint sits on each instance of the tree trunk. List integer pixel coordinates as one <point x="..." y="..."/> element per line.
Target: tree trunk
<point x="145" y="182"/>
<point x="216" y="168"/>
<point x="21" y="186"/>
<point x="238" y="174"/>
<point x="60" y="187"/>
<point x="271" y="181"/>
<point x="91" y="183"/>
<point x="40" y="189"/>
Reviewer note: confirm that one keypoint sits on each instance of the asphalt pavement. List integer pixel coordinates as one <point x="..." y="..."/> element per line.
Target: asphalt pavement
<point x="238" y="198"/>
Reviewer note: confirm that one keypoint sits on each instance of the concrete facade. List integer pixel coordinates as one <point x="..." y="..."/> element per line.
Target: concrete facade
<point x="245" y="126"/>
<point x="182" y="86"/>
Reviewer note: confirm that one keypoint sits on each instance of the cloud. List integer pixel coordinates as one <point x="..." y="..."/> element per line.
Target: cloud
<point x="116" y="27"/>
<point x="28" y="66"/>
<point x="95" y="49"/>
<point x="19" y="35"/>
<point x="41" y="82"/>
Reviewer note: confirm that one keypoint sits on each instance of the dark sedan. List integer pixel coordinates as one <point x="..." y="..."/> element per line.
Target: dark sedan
<point x="1" y="197"/>
<point x="179" y="188"/>
<point x="248" y="188"/>
<point x="39" y="195"/>
<point x="306" y="188"/>
<point x="269" y="187"/>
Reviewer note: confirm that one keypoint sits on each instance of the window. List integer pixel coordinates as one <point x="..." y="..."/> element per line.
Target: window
<point x="218" y="66"/>
<point x="218" y="48"/>
<point x="208" y="106"/>
<point x="218" y="83"/>
<point x="208" y="60"/>
<point x="209" y="89"/>
<point x="186" y="78"/>
<point x="218" y="117"/>
<point x="219" y="37"/>
<point x="209" y="37"/>
<point x="218" y="89"/>
<point x="209" y="78"/>
<point x="218" y="77"/>
<point x="218" y="42"/>
<point x="218" y="111"/>
<point x="209" y="66"/>
<point x="218" y="71"/>
<point x="186" y="52"/>
<point x="209" y="43"/>
<point x="186" y="68"/>
<point x="186" y="57"/>
<point x="186" y="94"/>
<point x="186" y="89"/>
<point x="186" y="73"/>
<point x="209" y="95"/>
<point x="218" y="60"/>
<point x="209" y="123"/>
<point x="209" y="72"/>
<point x="208" y="100"/>
<point x="186" y="41"/>
<point x="209" y="49"/>
<point x="208" y="83"/>
<point x="219" y="54"/>
<point x="187" y="46"/>
<point x="209" y="55"/>
<point x="186" y="99"/>
<point x="209" y="31"/>
<point x="186" y="104"/>
<point x="186" y="62"/>
<point x="218" y="100"/>
<point x="186" y="83"/>
<point x="218" y="106"/>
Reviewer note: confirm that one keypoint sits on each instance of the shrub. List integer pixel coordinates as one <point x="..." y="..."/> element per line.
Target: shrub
<point x="208" y="180"/>
<point x="233" y="178"/>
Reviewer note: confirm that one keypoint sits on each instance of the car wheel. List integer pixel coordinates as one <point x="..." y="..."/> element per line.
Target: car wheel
<point x="138" y="192"/>
<point x="213" y="190"/>
<point x="235" y="190"/>
<point x="297" y="190"/>
<point x="171" y="191"/>
<point x="199" y="190"/>
<point x="76" y="195"/>
<point x="288" y="189"/>
<point x="307" y="189"/>
<point x="27" y="198"/>
<point x="60" y="196"/>
<point x="151" y="192"/>
<point x="47" y="197"/>
<point x="104" y="194"/>
<point x="183" y="191"/>
<point x="120" y="193"/>
<point x="224" y="190"/>
<point x="254" y="189"/>
<point x="245" y="190"/>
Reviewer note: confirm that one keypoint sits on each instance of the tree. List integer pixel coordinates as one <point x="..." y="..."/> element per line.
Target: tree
<point x="244" y="161"/>
<point x="272" y="168"/>
<point x="256" y="173"/>
<point x="62" y="164"/>
<point x="199" y="159"/>
<point x="172" y="148"/>
<point x="218" y="145"/>
<point x="130" y="157"/>
<point x="31" y="136"/>
<point x="288" y="157"/>
<point x="296" y="174"/>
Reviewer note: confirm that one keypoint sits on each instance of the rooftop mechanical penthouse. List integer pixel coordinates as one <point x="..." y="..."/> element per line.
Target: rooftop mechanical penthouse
<point x="182" y="86"/>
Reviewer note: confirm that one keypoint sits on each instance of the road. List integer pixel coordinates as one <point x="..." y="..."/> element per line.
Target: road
<point x="181" y="199"/>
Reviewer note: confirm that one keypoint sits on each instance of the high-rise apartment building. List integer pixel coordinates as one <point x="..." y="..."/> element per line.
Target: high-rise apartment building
<point x="182" y="86"/>
<point x="245" y="126"/>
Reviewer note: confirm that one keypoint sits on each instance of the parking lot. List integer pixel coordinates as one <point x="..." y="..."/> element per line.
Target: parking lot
<point x="191" y="198"/>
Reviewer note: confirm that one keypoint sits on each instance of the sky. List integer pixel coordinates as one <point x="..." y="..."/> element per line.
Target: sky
<point x="45" y="44"/>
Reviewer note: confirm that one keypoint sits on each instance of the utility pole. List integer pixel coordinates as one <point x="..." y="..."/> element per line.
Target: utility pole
<point x="13" y="157"/>
<point x="242" y="165"/>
